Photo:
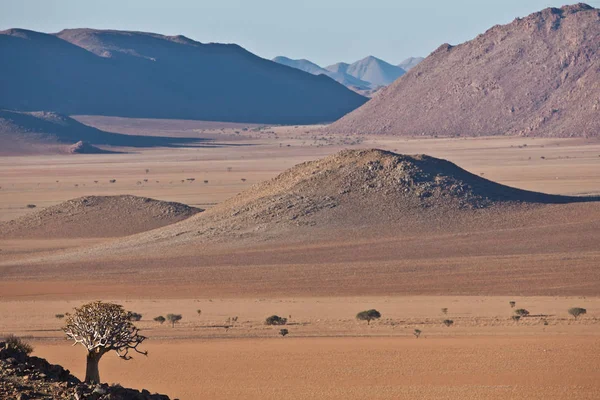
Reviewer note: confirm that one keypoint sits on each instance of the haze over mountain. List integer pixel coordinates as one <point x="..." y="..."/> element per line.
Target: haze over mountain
<point x="538" y="76"/>
<point x="364" y="76"/>
<point x="410" y="63"/>
<point x="370" y="69"/>
<point x="347" y="80"/>
<point x="147" y="75"/>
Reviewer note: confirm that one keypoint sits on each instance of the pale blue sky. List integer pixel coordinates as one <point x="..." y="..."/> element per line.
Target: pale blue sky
<point x="324" y="31"/>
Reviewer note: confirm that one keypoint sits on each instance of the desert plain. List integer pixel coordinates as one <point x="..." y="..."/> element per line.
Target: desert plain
<point x="545" y="258"/>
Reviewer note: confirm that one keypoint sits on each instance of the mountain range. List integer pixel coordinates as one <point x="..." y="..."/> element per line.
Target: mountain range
<point x="147" y="75"/>
<point x="537" y="76"/>
<point x="363" y="76"/>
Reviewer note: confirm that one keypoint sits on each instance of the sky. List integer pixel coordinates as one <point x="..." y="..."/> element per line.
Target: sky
<point x="323" y="31"/>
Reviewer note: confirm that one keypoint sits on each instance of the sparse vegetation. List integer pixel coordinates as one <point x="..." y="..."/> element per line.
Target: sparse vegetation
<point x="368" y="315"/>
<point x="283" y="332"/>
<point x="31" y="206"/>
<point x="100" y="328"/>
<point x="516" y="318"/>
<point x="512" y="304"/>
<point x="173" y="318"/>
<point x="417" y="333"/>
<point x="59" y="316"/>
<point x="445" y="310"/>
<point x="275" y="320"/>
<point x="448" y="322"/>
<point x="112" y="180"/>
<point x="133" y="316"/>
<point x="160" y="319"/>
<point x="521" y="312"/>
<point x="577" y="311"/>
<point x="17" y="344"/>
<point x="199" y="312"/>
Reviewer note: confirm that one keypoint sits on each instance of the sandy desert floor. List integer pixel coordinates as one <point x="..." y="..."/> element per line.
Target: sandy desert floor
<point x="328" y="354"/>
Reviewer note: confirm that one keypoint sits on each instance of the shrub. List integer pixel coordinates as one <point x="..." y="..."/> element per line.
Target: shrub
<point x="112" y="180"/>
<point x="160" y="319"/>
<point x="445" y="310"/>
<point x="522" y="312"/>
<point x="59" y="316"/>
<point x="173" y="318"/>
<point x="17" y="345"/>
<point x="283" y="332"/>
<point x="133" y="316"/>
<point x="31" y="206"/>
<point x="516" y="318"/>
<point x="512" y="304"/>
<point x="275" y="320"/>
<point x="448" y="322"/>
<point x="199" y="312"/>
<point x="368" y="315"/>
<point x="417" y="333"/>
<point x="577" y="311"/>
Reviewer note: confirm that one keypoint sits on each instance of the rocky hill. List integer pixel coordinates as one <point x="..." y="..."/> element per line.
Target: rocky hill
<point x="147" y="75"/>
<point x="537" y="76"/>
<point x="23" y="377"/>
<point x="97" y="216"/>
<point x="358" y="188"/>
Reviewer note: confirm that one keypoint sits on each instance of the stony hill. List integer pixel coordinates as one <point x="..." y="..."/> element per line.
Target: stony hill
<point x="147" y="75"/>
<point x="537" y="76"/>
<point x="97" y="216"/>
<point x="359" y="188"/>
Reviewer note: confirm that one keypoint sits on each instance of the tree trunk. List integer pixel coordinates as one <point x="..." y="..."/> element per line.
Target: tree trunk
<point x="92" y="373"/>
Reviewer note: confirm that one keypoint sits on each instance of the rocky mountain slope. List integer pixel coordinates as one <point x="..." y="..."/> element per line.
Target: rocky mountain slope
<point x="146" y="75"/>
<point x="537" y="76"/>
<point x="97" y="216"/>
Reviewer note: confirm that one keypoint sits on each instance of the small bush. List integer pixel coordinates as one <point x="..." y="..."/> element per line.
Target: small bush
<point x="199" y="312"/>
<point x="160" y="319"/>
<point x="512" y="304"/>
<point x="112" y="180"/>
<point x="522" y="312"/>
<point x="16" y="344"/>
<point x="577" y="311"/>
<point x="31" y="206"/>
<point x="445" y="310"/>
<point x="59" y="316"/>
<point x="283" y="332"/>
<point x="516" y="318"/>
<point x="448" y="322"/>
<point x="417" y="333"/>
<point x="368" y="315"/>
<point x="275" y="320"/>
<point x="133" y="316"/>
<point x="173" y="318"/>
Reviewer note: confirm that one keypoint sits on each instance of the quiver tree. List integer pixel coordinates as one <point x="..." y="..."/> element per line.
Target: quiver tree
<point x="577" y="311"/>
<point x="368" y="315"/>
<point x="101" y="328"/>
